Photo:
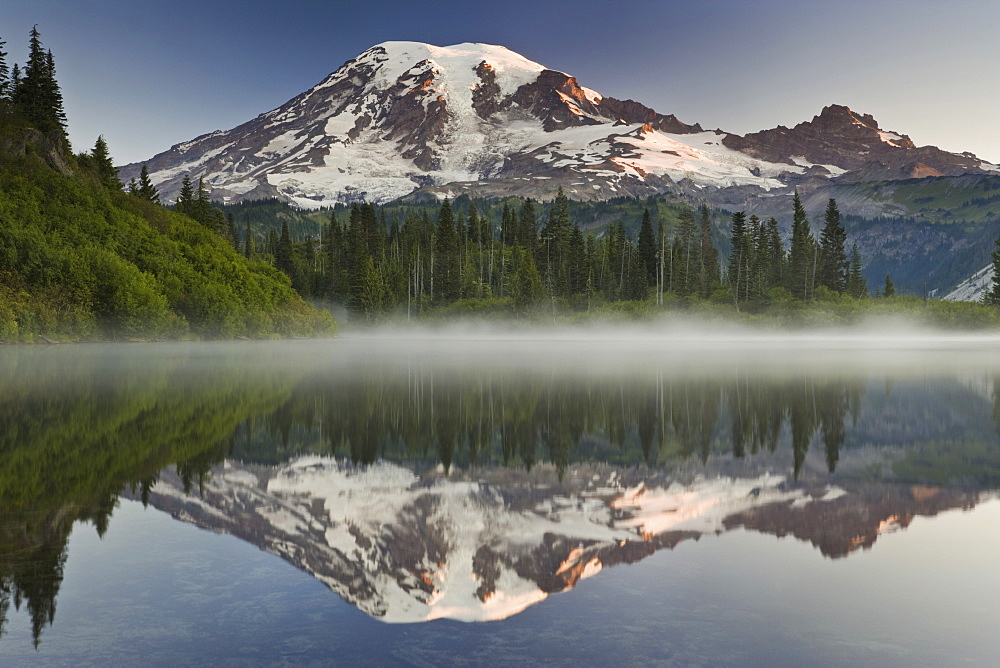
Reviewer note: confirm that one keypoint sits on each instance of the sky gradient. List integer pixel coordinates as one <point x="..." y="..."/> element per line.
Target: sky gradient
<point x="149" y="75"/>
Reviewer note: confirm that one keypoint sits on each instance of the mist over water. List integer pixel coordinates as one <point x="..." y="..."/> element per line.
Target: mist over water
<point x="539" y="460"/>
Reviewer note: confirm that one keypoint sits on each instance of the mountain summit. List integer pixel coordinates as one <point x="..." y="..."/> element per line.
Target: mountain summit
<point x="480" y="118"/>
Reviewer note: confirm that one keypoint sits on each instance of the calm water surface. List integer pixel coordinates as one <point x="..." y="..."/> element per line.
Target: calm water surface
<point x="580" y="499"/>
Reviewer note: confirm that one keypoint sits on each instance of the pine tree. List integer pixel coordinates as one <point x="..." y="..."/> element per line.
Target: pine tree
<point x="735" y="273"/>
<point x="447" y="274"/>
<point x="857" y="286"/>
<point x="555" y="240"/>
<point x="283" y="257"/>
<point x="992" y="296"/>
<point x="146" y="190"/>
<point x="105" y="167"/>
<point x="889" y="290"/>
<point x="834" y="266"/>
<point x="687" y="249"/>
<point x="802" y="256"/>
<point x="36" y="93"/>
<point x="4" y="73"/>
<point x="776" y="254"/>
<point x="647" y="249"/>
<point x="186" y="197"/>
<point x="708" y="256"/>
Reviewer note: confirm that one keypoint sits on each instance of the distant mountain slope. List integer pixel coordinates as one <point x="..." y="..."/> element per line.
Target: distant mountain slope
<point x="477" y="118"/>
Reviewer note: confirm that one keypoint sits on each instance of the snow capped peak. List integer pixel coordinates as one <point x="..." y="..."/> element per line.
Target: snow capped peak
<point x="405" y="115"/>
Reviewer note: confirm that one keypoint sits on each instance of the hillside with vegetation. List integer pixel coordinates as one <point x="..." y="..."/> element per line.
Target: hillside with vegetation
<point x="82" y="258"/>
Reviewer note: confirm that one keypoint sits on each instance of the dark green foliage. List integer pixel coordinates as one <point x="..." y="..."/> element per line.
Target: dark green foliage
<point x="34" y="92"/>
<point x="104" y="165"/>
<point x="888" y="290"/>
<point x="857" y="286"/>
<point x="834" y="266"/>
<point x="648" y="249"/>
<point x="145" y="188"/>
<point x="122" y="267"/>
<point x="803" y="256"/>
<point x="992" y="296"/>
<point x="446" y="276"/>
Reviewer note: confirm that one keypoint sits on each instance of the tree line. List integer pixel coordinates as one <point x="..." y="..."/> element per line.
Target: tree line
<point x="512" y="255"/>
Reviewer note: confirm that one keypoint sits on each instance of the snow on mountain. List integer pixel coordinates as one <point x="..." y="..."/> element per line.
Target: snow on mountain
<point x="409" y="547"/>
<point x="480" y="118"/>
<point x="404" y="115"/>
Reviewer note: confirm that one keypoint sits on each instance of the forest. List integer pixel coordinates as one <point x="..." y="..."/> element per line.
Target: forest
<point x="82" y="259"/>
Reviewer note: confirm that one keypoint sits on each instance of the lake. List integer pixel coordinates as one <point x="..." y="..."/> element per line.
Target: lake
<point x="455" y="497"/>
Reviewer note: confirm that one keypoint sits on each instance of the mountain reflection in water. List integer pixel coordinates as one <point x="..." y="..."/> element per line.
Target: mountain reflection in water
<point x="421" y="485"/>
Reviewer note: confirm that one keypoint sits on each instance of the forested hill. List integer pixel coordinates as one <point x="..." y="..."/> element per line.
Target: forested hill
<point x="82" y="259"/>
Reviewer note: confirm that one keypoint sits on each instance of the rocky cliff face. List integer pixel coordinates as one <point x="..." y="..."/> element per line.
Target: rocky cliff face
<point x="840" y="140"/>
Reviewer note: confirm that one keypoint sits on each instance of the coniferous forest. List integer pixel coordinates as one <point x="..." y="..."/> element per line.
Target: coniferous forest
<point x="81" y="258"/>
<point x="84" y="256"/>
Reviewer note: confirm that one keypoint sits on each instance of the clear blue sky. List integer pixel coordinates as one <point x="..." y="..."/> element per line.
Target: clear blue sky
<point x="151" y="74"/>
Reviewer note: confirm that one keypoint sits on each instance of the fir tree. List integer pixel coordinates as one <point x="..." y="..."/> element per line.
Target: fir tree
<point x="146" y="190"/>
<point x="186" y="197"/>
<point x="283" y="256"/>
<point x="802" y="256"/>
<point x="36" y="94"/>
<point x="647" y="249"/>
<point x="992" y="296"/>
<point x="857" y="286"/>
<point x="446" y="259"/>
<point x="834" y="266"/>
<point x="105" y="167"/>
<point x="4" y="73"/>
<point x="889" y="290"/>
<point x="735" y="272"/>
<point x="708" y="256"/>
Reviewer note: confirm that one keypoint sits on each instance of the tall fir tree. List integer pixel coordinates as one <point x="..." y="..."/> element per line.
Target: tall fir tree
<point x="146" y="190"/>
<point x="708" y="256"/>
<point x="104" y="165"/>
<point x="802" y="255"/>
<point x="992" y="296"/>
<point x="735" y="271"/>
<point x="834" y="265"/>
<point x="4" y="74"/>
<point x="857" y="286"/>
<point x="647" y="249"/>
<point x="185" y="199"/>
<point x="889" y="289"/>
<point x="447" y="270"/>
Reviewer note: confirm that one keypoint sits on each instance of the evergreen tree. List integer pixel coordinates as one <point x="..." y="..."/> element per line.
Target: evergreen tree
<point x="105" y="167"/>
<point x="37" y="94"/>
<point x="554" y="242"/>
<point x="185" y="199"/>
<point x="446" y="259"/>
<point x="527" y="284"/>
<point x="735" y="272"/>
<point x="146" y="190"/>
<point x="686" y="254"/>
<point x="527" y="226"/>
<point x="283" y="257"/>
<point x="4" y="73"/>
<point x="889" y="290"/>
<point x="857" y="286"/>
<point x="776" y="254"/>
<point x="802" y="256"/>
<point x="834" y="266"/>
<point x="647" y="249"/>
<point x="708" y="256"/>
<point x="992" y="296"/>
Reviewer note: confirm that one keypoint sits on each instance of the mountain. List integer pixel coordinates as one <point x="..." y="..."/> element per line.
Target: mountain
<point x="406" y="546"/>
<point x="477" y="118"/>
